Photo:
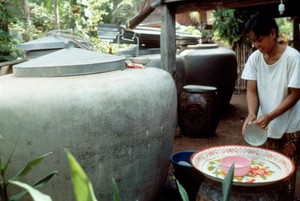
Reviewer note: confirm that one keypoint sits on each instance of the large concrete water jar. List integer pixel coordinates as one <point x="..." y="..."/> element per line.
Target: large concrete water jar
<point x="118" y="122"/>
<point x="211" y="65"/>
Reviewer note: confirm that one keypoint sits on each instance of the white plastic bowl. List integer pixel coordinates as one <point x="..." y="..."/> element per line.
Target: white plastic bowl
<point x="255" y="135"/>
<point x="241" y="165"/>
<point x="139" y="60"/>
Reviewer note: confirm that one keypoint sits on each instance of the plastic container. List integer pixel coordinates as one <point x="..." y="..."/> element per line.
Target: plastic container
<point x="185" y="173"/>
<point x="241" y="165"/>
<point x="255" y="135"/>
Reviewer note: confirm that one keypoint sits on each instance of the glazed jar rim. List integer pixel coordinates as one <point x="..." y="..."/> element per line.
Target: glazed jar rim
<point x="198" y="88"/>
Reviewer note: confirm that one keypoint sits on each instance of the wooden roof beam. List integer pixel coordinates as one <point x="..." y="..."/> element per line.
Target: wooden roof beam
<point x="192" y="5"/>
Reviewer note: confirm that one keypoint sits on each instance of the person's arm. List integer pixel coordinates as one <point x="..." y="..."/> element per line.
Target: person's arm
<point x="252" y="102"/>
<point x="285" y="105"/>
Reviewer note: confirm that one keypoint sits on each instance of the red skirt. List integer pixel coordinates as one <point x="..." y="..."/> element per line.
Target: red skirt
<point x="288" y="145"/>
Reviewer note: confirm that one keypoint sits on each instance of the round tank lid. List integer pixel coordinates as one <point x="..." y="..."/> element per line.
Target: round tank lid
<point x="199" y="88"/>
<point x="68" y="62"/>
<point x="48" y="42"/>
<point x="203" y="46"/>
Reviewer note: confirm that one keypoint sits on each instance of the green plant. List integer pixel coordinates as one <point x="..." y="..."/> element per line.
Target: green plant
<point x="82" y="186"/>
<point x="16" y="180"/>
<point x="182" y="191"/>
<point x="116" y="194"/>
<point x="227" y="184"/>
<point x="229" y="26"/>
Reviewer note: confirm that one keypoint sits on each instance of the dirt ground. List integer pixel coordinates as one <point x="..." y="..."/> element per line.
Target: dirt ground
<point x="228" y="133"/>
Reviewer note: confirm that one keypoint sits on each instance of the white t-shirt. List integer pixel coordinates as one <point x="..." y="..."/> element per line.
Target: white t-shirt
<point x="272" y="84"/>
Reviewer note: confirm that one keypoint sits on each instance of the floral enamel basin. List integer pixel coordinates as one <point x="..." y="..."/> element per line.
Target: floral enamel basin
<point x="266" y="166"/>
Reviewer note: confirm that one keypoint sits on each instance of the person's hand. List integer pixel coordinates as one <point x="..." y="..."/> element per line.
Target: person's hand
<point x="263" y="121"/>
<point x="247" y="121"/>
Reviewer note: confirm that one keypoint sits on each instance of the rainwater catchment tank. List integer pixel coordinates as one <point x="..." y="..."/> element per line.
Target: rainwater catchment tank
<point x="117" y="122"/>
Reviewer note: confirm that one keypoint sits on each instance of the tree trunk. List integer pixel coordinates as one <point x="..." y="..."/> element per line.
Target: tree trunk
<point x="27" y="37"/>
<point x="56" y="15"/>
<point x="3" y="26"/>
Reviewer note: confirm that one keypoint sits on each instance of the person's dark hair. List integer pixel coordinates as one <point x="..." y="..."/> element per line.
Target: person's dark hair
<point x="261" y="25"/>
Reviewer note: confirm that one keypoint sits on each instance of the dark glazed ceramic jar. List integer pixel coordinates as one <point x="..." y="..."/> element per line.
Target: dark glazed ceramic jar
<point x="211" y="65"/>
<point x="197" y="111"/>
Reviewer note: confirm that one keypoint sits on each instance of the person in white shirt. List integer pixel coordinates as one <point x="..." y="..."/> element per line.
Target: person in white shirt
<point x="273" y="89"/>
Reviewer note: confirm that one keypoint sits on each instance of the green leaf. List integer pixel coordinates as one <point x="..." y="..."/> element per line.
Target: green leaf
<point x="116" y="194"/>
<point x="29" y="166"/>
<point x="227" y="183"/>
<point x="182" y="191"/>
<point x="40" y="183"/>
<point x="35" y="194"/>
<point x="82" y="186"/>
<point x="37" y="185"/>
<point x="4" y="166"/>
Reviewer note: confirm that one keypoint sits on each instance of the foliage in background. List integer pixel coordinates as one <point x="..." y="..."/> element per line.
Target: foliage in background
<point x="118" y="12"/>
<point x="83" y="16"/>
<point x="78" y="16"/>
<point x="16" y="180"/>
<point x="228" y="26"/>
<point x="10" y="12"/>
<point x="9" y="49"/>
<point x="200" y="27"/>
<point x="285" y="28"/>
<point x="42" y="21"/>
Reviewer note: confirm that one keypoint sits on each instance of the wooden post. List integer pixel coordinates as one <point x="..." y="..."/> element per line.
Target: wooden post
<point x="296" y="34"/>
<point x="168" y="39"/>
